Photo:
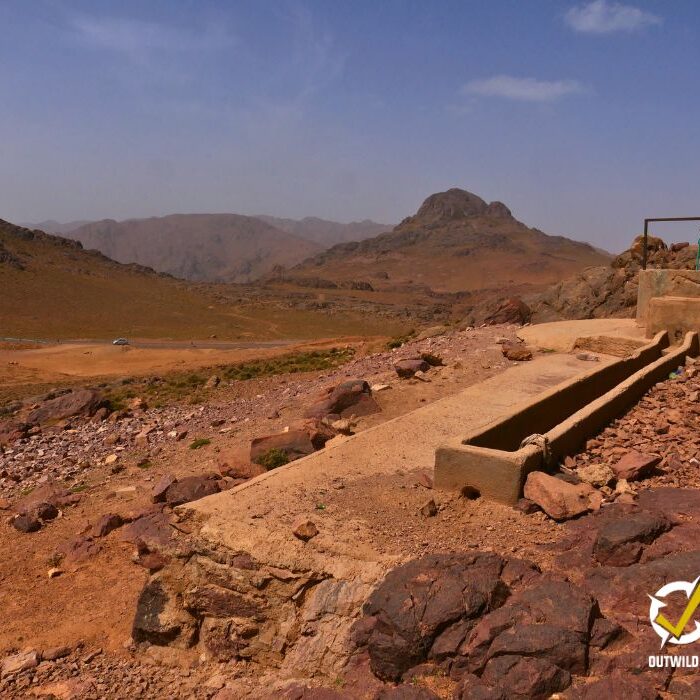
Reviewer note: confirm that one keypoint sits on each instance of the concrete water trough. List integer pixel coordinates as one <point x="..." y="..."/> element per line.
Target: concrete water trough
<point x="495" y="460"/>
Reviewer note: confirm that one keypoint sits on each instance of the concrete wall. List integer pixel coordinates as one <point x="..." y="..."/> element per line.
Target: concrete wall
<point x="663" y="283"/>
<point x="498" y="471"/>
<point x="546" y="412"/>
<point x="675" y="315"/>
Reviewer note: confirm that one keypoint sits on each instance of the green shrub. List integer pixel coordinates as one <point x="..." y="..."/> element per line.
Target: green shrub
<point x="273" y="458"/>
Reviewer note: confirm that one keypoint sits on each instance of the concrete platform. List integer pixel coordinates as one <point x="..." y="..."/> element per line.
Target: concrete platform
<point x="256" y="516"/>
<point x="595" y="334"/>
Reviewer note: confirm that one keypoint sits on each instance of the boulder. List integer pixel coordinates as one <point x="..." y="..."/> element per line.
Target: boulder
<point x="408" y="368"/>
<point x="18" y="663"/>
<point x="161" y="488"/>
<point x="621" y="541"/>
<point x="635" y="465"/>
<point x="106" y="524"/>
<point x="294" y="444"/>
<point x="559" y="499"/>
<point x="82" y="402"/>
<point x="617" y="685"/>
<point x="529" y="678"/>
<point x="26" y="523"/>
<point x="513" y="310"/>
<point x="353" y="397"/>
<point x="418" y="600"/>
<point x="191" y="488"/>
<point x="159" y="619"/>
<point x="516" y="353"/>
<point x="562" y="610"/>
<point x="12" y="430"/>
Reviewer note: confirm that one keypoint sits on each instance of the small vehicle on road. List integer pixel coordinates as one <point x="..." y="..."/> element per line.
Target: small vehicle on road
<point x="120" y="341"/>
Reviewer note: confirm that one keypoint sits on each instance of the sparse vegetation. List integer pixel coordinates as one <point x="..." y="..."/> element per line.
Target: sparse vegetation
<point x="199" y="443"/>
<point x="273" y="458"/>
<point x="400" y="340"/>
<point x="191" y="386"/>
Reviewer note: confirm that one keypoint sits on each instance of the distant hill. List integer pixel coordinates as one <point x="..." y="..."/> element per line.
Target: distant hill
<point x="327" y="233"/>
<point x="53" y="288"/>
<point x="456" y="242"/>
<point x="56" y="227"/>
<point x="200" y="247"/>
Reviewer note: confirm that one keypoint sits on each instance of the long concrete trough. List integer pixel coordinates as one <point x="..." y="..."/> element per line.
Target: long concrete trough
<point x="496" y="460"/>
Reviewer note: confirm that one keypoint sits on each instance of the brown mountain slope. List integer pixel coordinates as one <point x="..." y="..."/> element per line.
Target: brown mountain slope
<point x="52" y="288"/>
<point x="456" y="242"/>
<point x="327" y="233"/>
<point x="204" y="247"/>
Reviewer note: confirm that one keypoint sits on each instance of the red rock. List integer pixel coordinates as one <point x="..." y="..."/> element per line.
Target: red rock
<point x="295" y="444"/>
<point x="11" y="431"/>
<point x="304" y="529"/>
<point x="80" y="402"/>
<point x="513" y="310"/>
<point x="191" y="488"/>
<point x="621" y="541"/>
<point x="105" y="525"/>
<point x="429" y="509"/>
<point x="524" y="677"/>
<point x="516" y="353"/>
<point x="161" y="488"/>
<point x="18" y="663"/>
<point x="351" y="397"/>
<point x="151" y="527"/>
<point x="635" y="465"/>
<point x="618" y="685"/>
<point x="55" y="653"/>
<point x="408" y="368"/>
<point x="79" y="549"/>
<point x="26" y="523"/>
<point x="559" y="499"/>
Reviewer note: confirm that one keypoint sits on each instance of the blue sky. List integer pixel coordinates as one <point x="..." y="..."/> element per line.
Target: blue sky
<point x="583" y="117"/>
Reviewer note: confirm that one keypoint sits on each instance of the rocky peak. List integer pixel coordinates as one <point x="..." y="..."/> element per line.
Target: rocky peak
<point x="456" y="204"/>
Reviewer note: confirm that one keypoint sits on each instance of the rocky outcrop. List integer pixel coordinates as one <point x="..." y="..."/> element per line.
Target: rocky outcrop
<point x="81" y="402"/>
<point x="610" y="291"/>
<point x="353" y="397"/>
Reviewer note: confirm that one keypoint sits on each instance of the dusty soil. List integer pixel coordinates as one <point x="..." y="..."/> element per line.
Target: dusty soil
<point x="93" y="600"/>
<point x="89" y="607"/>
<point x="91" y="361"/>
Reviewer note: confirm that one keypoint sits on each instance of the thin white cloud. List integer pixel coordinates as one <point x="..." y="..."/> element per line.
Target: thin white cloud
<point x="523" y="89"/>
<point x="603" y="17"/>
<point x="137" y="37"/>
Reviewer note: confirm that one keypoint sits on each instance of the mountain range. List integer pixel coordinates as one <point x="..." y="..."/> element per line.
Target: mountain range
<point x="212" y="247"/>
<point x="456" y="242"/>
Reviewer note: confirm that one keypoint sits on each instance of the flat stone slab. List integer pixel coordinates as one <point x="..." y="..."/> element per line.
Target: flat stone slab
<point x="258" y="516"/>
<point x="562" y="335"/>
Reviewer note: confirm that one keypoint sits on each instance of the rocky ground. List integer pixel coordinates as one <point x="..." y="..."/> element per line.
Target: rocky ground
<point x="81" y="532"/>
<point x="520" y="605"/>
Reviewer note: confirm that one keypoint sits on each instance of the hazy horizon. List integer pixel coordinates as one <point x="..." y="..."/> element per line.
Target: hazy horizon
<point x="578" y="115"/>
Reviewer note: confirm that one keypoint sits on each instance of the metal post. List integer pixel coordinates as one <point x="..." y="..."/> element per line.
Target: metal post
<point x="646" y="238"/>
<point x="665" y="218"/>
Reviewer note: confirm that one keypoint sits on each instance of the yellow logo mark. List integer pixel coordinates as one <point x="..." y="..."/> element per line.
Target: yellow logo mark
<point x="676" y="631"/>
